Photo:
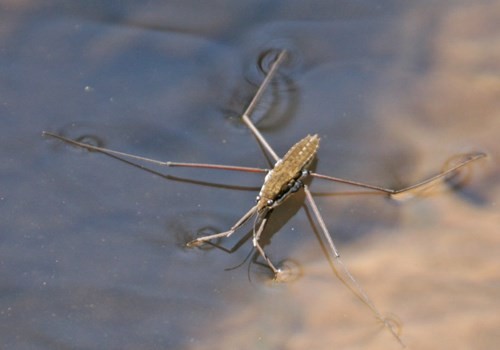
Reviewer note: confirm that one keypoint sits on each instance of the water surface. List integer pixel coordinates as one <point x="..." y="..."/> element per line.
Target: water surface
<point x="92" y="249"/>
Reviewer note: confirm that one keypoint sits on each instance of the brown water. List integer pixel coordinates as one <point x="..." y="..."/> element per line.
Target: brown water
<point x="92" y="249"/>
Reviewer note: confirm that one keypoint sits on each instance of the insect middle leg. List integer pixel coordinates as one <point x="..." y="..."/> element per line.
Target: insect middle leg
<point x="467" y="158"/>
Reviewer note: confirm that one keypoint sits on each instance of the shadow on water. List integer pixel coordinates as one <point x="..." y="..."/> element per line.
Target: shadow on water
<point x="92" y="252"/>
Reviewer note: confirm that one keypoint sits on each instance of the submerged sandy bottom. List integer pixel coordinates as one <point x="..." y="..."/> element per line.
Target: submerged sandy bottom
<point x="440" y="284"/>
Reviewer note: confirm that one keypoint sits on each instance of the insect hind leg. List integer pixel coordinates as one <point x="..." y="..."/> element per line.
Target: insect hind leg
<point x="343" y="272"/>
<point x="250" y="108"/>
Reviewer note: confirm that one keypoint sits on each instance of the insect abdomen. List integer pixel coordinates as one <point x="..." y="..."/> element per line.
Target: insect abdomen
<point x="288" y="168"/>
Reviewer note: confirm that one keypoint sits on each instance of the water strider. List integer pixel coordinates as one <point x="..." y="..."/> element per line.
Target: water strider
<point x="281" y="182"/>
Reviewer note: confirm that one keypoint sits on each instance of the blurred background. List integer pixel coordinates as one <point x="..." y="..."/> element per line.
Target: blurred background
<point x="92" y="249"/>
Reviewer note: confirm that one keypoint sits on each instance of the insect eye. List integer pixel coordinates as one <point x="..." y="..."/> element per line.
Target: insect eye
<point x="270" y="202"/>
<point x="257" y="198"/>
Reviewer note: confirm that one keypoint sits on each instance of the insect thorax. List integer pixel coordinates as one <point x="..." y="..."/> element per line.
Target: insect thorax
<point x="281" y="181"/>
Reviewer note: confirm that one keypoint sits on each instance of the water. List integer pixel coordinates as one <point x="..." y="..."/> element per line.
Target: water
<point x="92" y="250"/>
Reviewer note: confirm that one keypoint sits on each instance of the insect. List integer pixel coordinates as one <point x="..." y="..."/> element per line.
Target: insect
<point x="280" y="183"/>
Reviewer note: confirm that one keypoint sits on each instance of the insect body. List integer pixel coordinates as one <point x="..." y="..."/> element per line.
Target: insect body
<point x="280" y="182"/>
<point x="285" y="178"/>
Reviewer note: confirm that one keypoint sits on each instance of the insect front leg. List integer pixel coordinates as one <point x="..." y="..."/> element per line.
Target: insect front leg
<point x="256" y="244"/>
<point x="200" y="240"/>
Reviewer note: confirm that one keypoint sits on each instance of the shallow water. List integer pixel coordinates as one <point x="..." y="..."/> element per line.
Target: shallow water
<point x="92" y="249"/>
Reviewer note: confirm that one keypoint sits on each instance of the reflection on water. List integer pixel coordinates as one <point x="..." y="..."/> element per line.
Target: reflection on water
<point x="92" y="250"/>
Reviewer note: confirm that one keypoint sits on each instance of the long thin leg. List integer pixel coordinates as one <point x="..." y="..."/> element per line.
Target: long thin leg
<point x="200" y="240"/>
<point x="255" y="100"/>
<point x="149" y="160"/>
<point x="343" y="268"/>
<point x="260" y="91"/>
<point x="261" y="251"/>
<point x="250" y="108"/>
<point x="468" y="158"/>
<point x="259" y="137"/>
<point x="347" y="276"/>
